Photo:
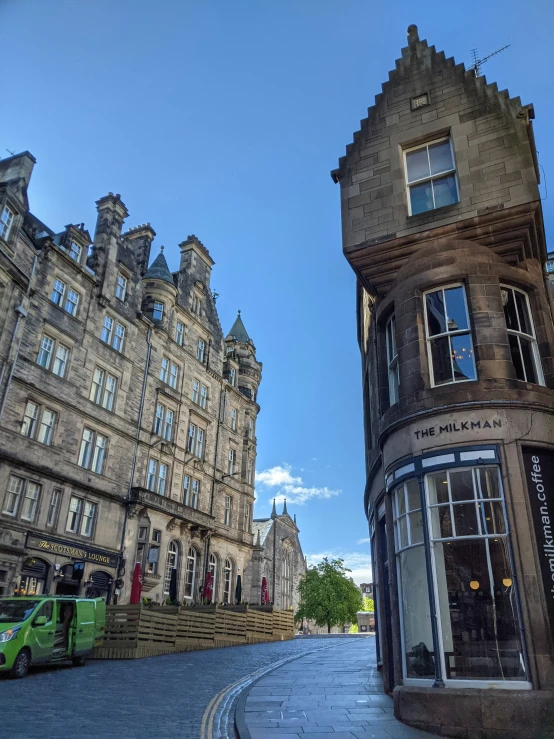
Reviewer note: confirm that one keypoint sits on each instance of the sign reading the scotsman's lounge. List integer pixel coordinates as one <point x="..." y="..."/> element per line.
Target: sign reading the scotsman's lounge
<point x="539" y="472"/>
<point x="71" y="549"/>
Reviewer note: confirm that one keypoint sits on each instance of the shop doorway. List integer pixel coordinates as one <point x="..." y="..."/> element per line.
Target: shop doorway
<point x="32" y="580"/>
<point x="67" y="584"/>
<point x="99" y="585"/>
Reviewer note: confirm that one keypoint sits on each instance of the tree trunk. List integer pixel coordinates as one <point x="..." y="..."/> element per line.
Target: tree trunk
<point x="328" y="628"/>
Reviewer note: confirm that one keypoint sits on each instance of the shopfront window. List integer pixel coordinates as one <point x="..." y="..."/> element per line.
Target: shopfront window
<point x="412" y="582"/>
<point x="476" y="599"/>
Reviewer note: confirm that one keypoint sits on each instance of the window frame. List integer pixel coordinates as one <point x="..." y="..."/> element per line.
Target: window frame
<point x="121" y="289"/>
<point x="392" y="360"/>
<point x="531" y="338"/>
<point x="53" y="356"/>
<point x="161" y="482"/>
<point x="228" y="511"/>
<point x="459" y="332"/>
<point x="6" y="226"/>
<point x="100" y="389"/>
<point x="157" y="310"/>
<point x="180" y="334"/>
<point x="201" y="350"/>
<point x="19" y="497"/>
<point x="54" y="506"/>
<point x="80" y="516"/>
<point x="116" y="336"/>
<point x="430" y="177"/>
<point x="92" y="455"/>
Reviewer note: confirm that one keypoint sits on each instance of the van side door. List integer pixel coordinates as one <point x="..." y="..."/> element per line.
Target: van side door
<point x="84" y="628"/>
<point x="41" y="638"/>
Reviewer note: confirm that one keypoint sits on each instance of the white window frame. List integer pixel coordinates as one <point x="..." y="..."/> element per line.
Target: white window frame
<point x="113" y="333"/>
<point x="460" y="332"/>
<point x="392" y="360"/>
<point x="227" y="580"/>
<point x="249" y="471"/>
<point x="83" y="519"/>
<point x="121" y="287"/>
<point x="6" y="222"/>
<point x="54" y="507"/>
<point x="200" y="350"/>
<point x="93" y="451"/>
<point x="168" y="424"/>
<point x="164" y="369"/>
<point x="71" y="303"/>
<point x="531" y="338"/>
<point x="247" y="517"/>
<point x="203" y="396"/>
<point x="58" y="292"/>
<point x="233" y="416"/>
<point x="228" y="511"/>
<point x="232" y="377"/>
<point x="158" y="476"/>
<point x="75" y="251"/>
<point x="171" y="563"/>
<point x="14" y="494"/>
<point x="158" y="310"/>
<point x="180" y="333"/>
<point x="190" y="573"/>
<point x="196" y="391"/>
<point x="430" y="178"/>
<point x="173" y="375"/>
<point x="103" y="388"/>
<point x="231" y="461"/>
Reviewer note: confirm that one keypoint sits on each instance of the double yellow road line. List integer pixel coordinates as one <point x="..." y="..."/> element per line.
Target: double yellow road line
<point x="206" y="729"/>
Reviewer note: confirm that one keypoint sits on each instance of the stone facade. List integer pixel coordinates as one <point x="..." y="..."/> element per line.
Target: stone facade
<point x="442" y="224"/>
<point x="127" y="417"/>
<point x="278" y="557"/>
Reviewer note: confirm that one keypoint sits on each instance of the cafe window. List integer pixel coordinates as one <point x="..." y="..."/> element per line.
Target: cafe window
<point x="521" y="335"/>
<point x="448" y="334"/>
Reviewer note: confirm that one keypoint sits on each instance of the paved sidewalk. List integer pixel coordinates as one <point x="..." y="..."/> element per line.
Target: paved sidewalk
<point x="333" y="694"/>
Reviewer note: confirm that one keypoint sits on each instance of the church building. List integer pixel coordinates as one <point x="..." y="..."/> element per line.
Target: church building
<point x="442" y="224"/>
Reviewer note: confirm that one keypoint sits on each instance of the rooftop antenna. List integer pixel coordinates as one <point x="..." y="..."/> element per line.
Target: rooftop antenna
<point x="477" y="63"/>
<point x="11" y="152"/>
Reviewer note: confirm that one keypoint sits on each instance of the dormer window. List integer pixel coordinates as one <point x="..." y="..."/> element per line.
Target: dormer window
<point x="158" y="312"/>
<point x="431" y="176"/>
<point x="75" y="251"/>
<point x="6" y="221"/>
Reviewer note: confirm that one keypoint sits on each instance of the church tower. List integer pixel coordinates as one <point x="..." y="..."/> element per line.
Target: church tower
<point x="442" y="225"/>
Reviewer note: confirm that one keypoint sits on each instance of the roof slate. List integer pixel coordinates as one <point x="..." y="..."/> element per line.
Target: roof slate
<point x="159" y="270"/>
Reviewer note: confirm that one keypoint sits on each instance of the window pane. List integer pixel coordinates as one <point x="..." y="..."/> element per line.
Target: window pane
<point x="456" y="313"/>
<point x="417" y="164"/>
<point x="461" y="485"/>
<point x="465" y="519"/>
<point x="440" y="156"/>
<point x="510" y="313"/>
<point x="403" y="532"/>
<point x="441" y="522"/>
<point x="477" y="608"/>
<point x="517" y="359"/>
<point x="414" y="595"/>
<point x="414" y="500"/>
<point x="528" y="359"/>
<point x="488" y="479"/>
<point x="523" y="313"/>
<point x="400" y="501"/>
<point x="416" y="528"/>
<point x="421" y="198"/>
<point x="60" y="361"/>
<point x="445" y="191"/>
<point x="492" y="518"/>
<point x="436" y="321"/>
<point x="462" y="357"/>
<point x="438" y="488"/>
<point x="442" y="365"/>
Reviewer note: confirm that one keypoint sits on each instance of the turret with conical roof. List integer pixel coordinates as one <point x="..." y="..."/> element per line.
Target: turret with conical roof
<point x="160" y="292"/>
<point x="242" y="369"/>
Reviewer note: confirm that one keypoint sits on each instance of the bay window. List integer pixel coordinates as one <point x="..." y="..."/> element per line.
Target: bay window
<point x="448" y="335"/>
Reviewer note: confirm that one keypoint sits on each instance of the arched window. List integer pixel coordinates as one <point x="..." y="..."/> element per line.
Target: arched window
<point x="190" y="576"/>
<point x="227" y="580"/>
<point x="171" y="563"/>
<point x="212" y="567"/>
<point x="286" y="581"/>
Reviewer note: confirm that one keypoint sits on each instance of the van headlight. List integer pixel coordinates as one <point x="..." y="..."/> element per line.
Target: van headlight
<point x="10" y="634"/>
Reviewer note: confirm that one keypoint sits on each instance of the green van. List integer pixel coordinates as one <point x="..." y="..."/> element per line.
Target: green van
<point x="43" y="629"/>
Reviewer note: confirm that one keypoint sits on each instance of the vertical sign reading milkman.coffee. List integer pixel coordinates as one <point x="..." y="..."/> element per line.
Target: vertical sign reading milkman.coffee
<point x="539" y="472"/>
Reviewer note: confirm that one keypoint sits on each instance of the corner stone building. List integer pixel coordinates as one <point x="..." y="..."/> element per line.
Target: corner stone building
<point x="442" y="224"/>
<point x="127" y="419"/>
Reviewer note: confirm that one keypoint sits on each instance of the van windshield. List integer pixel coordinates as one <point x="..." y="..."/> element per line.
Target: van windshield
<point x="14" y="610"/>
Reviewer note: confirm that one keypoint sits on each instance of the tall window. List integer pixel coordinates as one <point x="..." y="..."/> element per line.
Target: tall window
<point x="168" y="425"/>
<point x="191" y="488"/>
<point x="431" y="177"/>
<point x="75" y="251"/>
<point x="173" y="376"/>
<point x="157" y="477"/>
<point x="212" y="568"/>
<point x="30" y="501"/>
<point x="180" y="333"/>
<point x="158" y="312"/>
<point x="286" y="581"/>
<point x="234" y="419"/>
<point x="200" y="350"/>
<point x="250" y="429"/>
<point x="113" y="333"/>
<point x="16" y="486"/>
<point x="392" y="360"/>
<point x="81" y="516"/>
<point x="6" y="221"/>
<point x="196" y="304"/>
<point x="195" y="441"/>
<point x="249" y="471"/>
<point x="154" y="552"/>
<point x="480" y="634"/>
<point x="231" y="461"/>
<point x="190" y="575"/>
<point x="195" y="391"/>
<point x="247" y="517"/>
<point x="46" y="428"/>
<point x="53" y="356"/>
<point x="102" y="391"/>
<point x="164" y="369"/>
<point x="121" y="287"/>
<point x="58" y="292"/>
<point x="228" y="510"/>
<point x="521" y="335"/>
<point x="232" y="377"/>
<point x="449" y="344"/>
<point x="71" y="302"/>
<point x="92" y="454"/>
<point x="119" y="337"/>
<point x="227" y="581"/>
<point x="54" y="507"/>
<point x="171" y="563"/>
<point x="203" y="396"/>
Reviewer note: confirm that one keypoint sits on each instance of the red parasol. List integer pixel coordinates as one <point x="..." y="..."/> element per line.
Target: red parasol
<point x="208" y="587"/>
<point x="136" y="587"/>
<point x="265" y="592"/>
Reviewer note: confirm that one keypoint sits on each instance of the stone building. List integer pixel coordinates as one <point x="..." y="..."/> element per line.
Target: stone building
<point x="278" y="557"/>
<point x="127" y="418"/>
<point x="442" y="224"/>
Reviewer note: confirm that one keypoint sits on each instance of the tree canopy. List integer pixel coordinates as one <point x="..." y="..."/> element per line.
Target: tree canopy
<point x="328" y="596"/>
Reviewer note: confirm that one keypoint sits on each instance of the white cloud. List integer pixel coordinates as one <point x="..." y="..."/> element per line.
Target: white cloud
<point x="279" y="475"/>
<point x="367" y="540"/>
<point x="290" y="487"/>
<point x="358" y="562"/>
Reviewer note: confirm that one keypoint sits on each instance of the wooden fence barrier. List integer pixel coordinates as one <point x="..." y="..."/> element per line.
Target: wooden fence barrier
<point x="135" y="631"/>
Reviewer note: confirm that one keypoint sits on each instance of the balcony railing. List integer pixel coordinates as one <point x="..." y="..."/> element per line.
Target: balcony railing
<point x="172" y="508"/>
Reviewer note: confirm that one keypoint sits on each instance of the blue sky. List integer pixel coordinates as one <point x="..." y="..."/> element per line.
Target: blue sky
<point x="223" y="119"/>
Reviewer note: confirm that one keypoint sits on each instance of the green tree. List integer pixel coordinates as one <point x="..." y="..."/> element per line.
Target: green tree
<point x="328" y="596"/>
<point x="368" y="604"/>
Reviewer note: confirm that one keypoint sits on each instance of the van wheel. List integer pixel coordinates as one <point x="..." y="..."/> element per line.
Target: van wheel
<point x="78" y="661"/>
<point x="21" y="665"/>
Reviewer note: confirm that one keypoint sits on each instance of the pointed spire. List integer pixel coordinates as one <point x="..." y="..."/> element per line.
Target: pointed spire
<point x="258" y="540"/>
<point x="274" y="511"/>
<point x="295" y="519"/>
<point x="285" y="512"/>
<point x="159" y="270"/>
<point x="238" y="332"/>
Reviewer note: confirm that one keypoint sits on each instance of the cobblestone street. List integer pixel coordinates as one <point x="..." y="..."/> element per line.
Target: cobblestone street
<point x="162" y="697"/>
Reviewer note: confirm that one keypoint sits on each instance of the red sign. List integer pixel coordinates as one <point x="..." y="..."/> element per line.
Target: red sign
<point x="265" y="592"/>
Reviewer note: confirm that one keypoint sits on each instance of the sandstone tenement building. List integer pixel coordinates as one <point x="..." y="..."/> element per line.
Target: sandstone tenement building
<point x="442" y="224"/>
<point x="127" y="417"/>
